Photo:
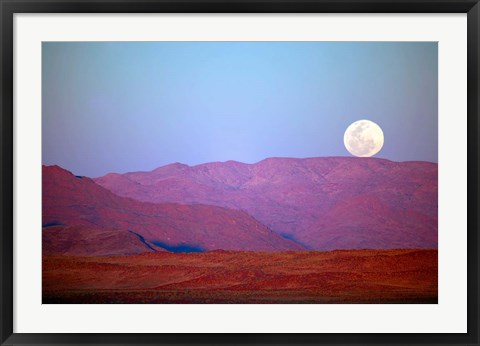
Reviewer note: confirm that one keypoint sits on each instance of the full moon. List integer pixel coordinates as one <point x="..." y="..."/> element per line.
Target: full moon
<point x="363" y="138"/>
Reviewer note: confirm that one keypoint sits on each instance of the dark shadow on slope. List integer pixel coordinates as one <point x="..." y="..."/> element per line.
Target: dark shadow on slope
<point x="179" y="248"/>
<point x="142" y="239"/>
<point x="292" y="238"/>
<point x="51" y="224"/>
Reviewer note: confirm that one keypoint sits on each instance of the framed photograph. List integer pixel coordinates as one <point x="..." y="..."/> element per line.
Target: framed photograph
<point x="239" y="172"/>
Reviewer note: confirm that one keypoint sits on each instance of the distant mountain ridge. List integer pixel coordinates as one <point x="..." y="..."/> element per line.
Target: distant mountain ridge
<point x="323" y="203"/>
<point x="97" y="214"/>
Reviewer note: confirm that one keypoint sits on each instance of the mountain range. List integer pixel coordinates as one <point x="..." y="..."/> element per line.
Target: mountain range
<point x="278" y="204"/>
<point x="69" y="200"/>
<point x="322" y="203"/>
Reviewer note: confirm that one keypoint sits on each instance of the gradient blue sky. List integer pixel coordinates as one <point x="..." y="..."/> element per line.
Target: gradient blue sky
<point x="130" y="106"/>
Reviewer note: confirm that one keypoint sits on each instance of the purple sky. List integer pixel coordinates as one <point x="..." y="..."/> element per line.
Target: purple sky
<point x="130" y="106"/>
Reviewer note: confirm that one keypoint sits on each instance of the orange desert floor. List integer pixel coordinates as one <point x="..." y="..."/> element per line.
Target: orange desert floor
<point x="217" y="277"/>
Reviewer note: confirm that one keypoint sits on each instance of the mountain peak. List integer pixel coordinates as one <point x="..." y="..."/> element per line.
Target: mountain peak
<point x="55" y="169"/>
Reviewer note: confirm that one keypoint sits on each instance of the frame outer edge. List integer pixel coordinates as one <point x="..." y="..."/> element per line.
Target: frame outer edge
<point x="473" y="123"/>
<point x="7" y="8"/>
<point x="6" y="171"/>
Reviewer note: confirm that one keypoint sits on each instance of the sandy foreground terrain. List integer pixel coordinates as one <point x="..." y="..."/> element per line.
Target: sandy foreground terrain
<point x="219" y="277"/>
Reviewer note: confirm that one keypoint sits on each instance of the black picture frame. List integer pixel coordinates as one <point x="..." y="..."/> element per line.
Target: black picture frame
<point x="10" y="7"/>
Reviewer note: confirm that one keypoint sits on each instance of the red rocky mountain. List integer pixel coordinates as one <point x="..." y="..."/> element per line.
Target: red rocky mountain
<point x="323" y="203"/>
<point x="93" y="241"/>
<point x="78" y="201"/>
